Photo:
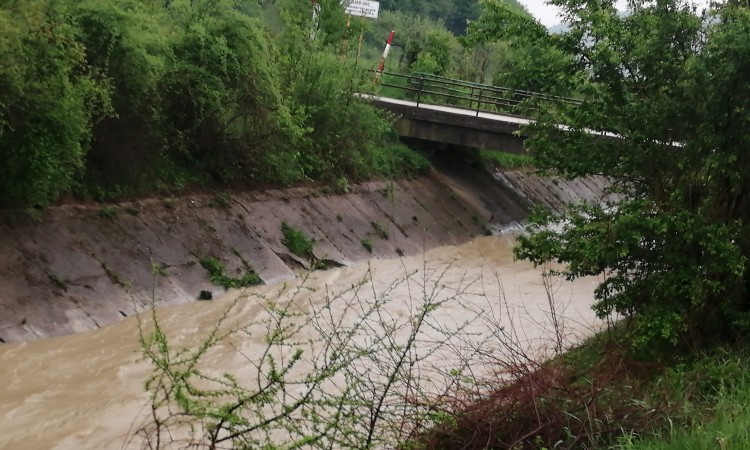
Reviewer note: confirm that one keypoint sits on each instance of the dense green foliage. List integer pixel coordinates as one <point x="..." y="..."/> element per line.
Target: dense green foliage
<point x="672" y="244"/>
<point x="534" y="60"/>
<point x="296" y="241"/>
<point x="124" y="97"/>
<point x="49" y="96"/>
<point x="426" y="42"/>
<point x="455" y="14"/>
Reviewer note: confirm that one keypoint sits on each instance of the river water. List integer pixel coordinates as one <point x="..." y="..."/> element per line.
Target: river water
<point x="87" y="390"/>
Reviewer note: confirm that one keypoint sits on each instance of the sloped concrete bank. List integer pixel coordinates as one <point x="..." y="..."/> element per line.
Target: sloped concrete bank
<point x="79" y="267"/>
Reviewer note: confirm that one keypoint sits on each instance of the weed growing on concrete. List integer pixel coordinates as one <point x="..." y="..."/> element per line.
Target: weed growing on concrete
<point x="159" y="269"/>
<point x="380" y="230"/>
<point x="367" y="244"/>
<point x="342" y="185"/>
<point x="500" y="160"/>
<point x="115" y="277"/>
<point x="108" y="212"/>
<point x="221" y="200"/>
<point x="58" y="281"/>
<point x="217" y="276"/>
<point x="296" y="241"/>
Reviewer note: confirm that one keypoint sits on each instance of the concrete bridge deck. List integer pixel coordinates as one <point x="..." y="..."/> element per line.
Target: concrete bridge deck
<point x="454" y="125"/>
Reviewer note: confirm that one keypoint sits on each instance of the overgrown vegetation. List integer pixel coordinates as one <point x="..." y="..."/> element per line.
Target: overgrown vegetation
<point x="501" y="160"/>
<point x="218" y="276"/>
<point x="297" y="241"/>
<point x="600" y="395"/>
<point x="107" y="99"/>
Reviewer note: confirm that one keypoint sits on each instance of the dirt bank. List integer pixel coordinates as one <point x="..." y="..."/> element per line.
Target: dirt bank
<point x="79" y="267"/>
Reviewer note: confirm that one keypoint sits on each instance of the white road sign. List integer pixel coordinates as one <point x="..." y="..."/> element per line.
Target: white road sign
<point x="363" y="8"/>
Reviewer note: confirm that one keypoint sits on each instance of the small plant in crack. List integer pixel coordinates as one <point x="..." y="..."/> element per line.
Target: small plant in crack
<point x="108" y="212"/>
<point x="367" y="244"/>
<point x="380" y="230"/>
<point x="58" y="281"/>
<point x="221" y="200"/>
<point x="159" y="269"/>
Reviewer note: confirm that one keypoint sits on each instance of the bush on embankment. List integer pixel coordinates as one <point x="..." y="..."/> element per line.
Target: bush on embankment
<point x="603" y="396"/>
<point x="123" y="97"/>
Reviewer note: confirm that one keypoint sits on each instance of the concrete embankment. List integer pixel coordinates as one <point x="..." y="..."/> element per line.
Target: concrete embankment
<point x="79" y="267"/>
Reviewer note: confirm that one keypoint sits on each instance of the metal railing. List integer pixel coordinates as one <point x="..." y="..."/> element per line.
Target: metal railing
<point x="438" y="90"/>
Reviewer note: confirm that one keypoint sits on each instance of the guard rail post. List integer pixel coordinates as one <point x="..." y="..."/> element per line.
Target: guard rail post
<point x="479" y="101"/>
<point x="419" y="92"/>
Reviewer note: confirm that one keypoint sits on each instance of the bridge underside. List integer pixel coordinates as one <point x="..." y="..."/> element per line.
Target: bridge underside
<point x="459" y="135"/>
<point x="454" y="126"/>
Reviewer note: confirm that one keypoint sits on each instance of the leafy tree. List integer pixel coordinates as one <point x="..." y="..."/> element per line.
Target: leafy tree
<point x="535" y="60"/>
<point x="123" y="97"/>
<point x="670" y="86"/>
<point x="455" y="14"/>
<point x="416" y="35"/>
<point x="222" y="93"/>
<point x="126" y="45"/>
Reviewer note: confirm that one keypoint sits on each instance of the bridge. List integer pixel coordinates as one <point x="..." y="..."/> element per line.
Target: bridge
<point x="450" y="111"/>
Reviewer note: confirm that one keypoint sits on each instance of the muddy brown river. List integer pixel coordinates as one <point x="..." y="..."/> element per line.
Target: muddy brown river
<point x="86" y="391"/>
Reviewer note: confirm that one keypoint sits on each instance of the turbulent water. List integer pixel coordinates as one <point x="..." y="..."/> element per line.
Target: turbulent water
<point x="87" y="390"/>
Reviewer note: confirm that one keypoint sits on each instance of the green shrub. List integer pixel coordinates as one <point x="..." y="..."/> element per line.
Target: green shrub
<point x="217" y="276"/>
<point x="380" y="230"/>
<point x="397" y="160"/>
<point x="296" y="241"/>
<point x="108" y="212"/>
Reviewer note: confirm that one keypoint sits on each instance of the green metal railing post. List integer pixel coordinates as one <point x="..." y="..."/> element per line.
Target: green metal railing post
<point x="421" y="86"/>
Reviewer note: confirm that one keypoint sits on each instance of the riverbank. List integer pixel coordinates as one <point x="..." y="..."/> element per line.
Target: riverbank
<point x="79" y="267"/>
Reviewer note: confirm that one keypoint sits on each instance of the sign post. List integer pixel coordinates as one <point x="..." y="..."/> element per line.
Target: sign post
<point x="362" y="8"/>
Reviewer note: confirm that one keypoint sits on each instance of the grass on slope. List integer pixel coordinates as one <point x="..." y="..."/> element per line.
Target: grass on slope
<point x="604" y="396"/>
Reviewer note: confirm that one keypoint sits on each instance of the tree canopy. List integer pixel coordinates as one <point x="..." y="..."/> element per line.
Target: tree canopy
<point x="668" y="86"/>
<point x="128" y="97"/>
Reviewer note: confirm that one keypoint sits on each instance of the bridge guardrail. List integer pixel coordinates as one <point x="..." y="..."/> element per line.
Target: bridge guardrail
<point x="474" y="96"/>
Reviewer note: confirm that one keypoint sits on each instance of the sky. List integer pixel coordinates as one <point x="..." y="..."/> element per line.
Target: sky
<point x="544" y="13"/>
<point x="547" y="14"/>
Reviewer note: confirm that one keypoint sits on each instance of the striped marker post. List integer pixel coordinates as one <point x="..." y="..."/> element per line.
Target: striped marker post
<point x="381" y="66"/>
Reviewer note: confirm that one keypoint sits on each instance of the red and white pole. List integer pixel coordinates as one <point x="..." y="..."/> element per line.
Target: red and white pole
<point x="381" y="66"/>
